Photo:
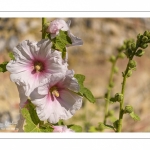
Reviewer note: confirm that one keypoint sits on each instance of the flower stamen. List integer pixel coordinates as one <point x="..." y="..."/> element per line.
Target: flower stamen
<point x="38" y="66"/>
<point x="53" y="90"/>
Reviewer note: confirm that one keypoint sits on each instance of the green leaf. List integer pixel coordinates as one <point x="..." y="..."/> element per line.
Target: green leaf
<point x="88" y="94"/>
<point x="46" y="128"/>
<point x="33" y="123"/>
<point x="3" y="67"/>
<point x="103" y="126"/>
<point x="135" y="116"/>
<point x="92" y="129"/>
<point x="30" y="126"/>
<point x="61" y="41"/>
<point x="11" y="55"/>
<point x="32" y="111"/>
<point x="76" y="128"/>
<point x="83" y="90"/>
<point x="80" y="78"/>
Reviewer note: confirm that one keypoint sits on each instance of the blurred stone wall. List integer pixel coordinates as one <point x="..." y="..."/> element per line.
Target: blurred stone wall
<point x="101" y="37"/>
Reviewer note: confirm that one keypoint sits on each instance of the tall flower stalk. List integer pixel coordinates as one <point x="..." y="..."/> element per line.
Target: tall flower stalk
<point x="114" y="69"/>
<point x="132" y="49"/>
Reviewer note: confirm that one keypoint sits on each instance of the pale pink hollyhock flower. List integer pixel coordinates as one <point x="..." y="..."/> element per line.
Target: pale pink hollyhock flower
<point x="33" y="63"/>
<point x="62" y="129"/>
<point x="57" y="99"/>
<point x="59" y="24"/>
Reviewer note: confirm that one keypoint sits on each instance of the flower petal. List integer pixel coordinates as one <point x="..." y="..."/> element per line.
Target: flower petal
<point x="70" y="101"/>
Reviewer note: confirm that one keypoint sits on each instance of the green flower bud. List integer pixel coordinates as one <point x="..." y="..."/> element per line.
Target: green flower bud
<point x="116" y="124"/>
<point x="129" y="73"/>
<point x="139" y="53"/>
<point x="116" y="70"/>
<point x="118" y="97"/>
<point x="147" y="33"/>
<point x="121" y="55"/>
<point x="144" y="39"/>
<point x="132" y="64"/>
<point x="133" y="46"/>
<point x="139" y="36"/>
<point x="128" y="109"/>
<point x="144" y="46"/>
<point x="111" y="85"/>
<point x="101" y="126"/>
<point x="110" y="113"/>
<point x="112" y="58"/>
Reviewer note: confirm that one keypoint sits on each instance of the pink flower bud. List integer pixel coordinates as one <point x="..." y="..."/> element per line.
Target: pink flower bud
<point x="57" y="25"/>
<point x="61" y="129"/>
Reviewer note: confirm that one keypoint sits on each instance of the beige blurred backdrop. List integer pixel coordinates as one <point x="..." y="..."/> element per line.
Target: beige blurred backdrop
<point x="101" y="37"/>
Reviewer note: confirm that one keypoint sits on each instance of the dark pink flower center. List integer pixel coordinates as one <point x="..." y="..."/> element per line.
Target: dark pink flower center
<point x="54" y="91"/>
<point x="38" y="66"/>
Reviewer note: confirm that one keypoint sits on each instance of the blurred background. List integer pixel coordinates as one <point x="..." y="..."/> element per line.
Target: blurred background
<point x="101" y="38"/>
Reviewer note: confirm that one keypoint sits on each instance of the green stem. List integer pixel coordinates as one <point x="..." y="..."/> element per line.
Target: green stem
<point x="43" y="28"/>
<point x="121" y="111"/>
<point x="109" y="90"/>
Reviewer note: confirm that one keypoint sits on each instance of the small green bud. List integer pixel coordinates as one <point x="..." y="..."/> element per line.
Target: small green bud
<point x="112" y="58"/>
<point x="116" y="70"/>
<point x="129" y="73"/>
<point x="111" y="85"/>
<point x="133" y="46"/>
<point x="139" y="53"/>
<point x="110" y="113"/>
<point x="139" y="36"/>
<point x="121" y="55"/>
<point x="128" y="109"/>
<point x="118" y="97"/>
<point x="132" y="64"/>
<point x="101" y="126"/>
<point x="144" y="39"/>
<point x="147" y="33"/>
<point x="144" y="46"/>
<point x="116" y="124"/>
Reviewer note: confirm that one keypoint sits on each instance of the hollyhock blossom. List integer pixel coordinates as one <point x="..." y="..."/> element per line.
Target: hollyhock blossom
<point x="60" y="24"/>
<point x="33" y="63"/>
<point x="62" y="129"/>
<point x="56" y="99"/>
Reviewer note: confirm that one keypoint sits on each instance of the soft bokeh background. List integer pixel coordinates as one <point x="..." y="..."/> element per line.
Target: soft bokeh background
<point x="101" y="37"/>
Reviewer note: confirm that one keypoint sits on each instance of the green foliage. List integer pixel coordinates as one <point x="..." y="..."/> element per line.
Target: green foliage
<point x="33" y="123"/>
<point x="85" y="92"/>
<point x="103" y="126"/>
<point x="30" y="126"/>
<point x="128" y="109"/>
<point x="3" y="67"/>
<point x="134" y="116"/>
<point x="11" y="55"/>
<point x="61" y="41"/>
<point x="76" y="128"/>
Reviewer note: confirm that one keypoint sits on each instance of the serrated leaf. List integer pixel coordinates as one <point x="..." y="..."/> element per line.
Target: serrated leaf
<point x="3" y="67"/>
<point x="33" y="123"/>
<point x="76" y="128"/>
<point x="11" y="55"/>
<point x="30" y="126"/>
<point x="134" y="116"/>
<point x="88" y="94"/>
<point x="60" y="42"/>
